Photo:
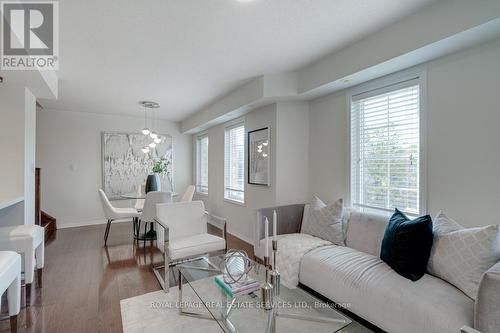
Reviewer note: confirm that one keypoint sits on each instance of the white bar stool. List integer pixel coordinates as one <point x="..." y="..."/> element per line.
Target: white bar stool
<point x="10" y="280"/>
<point x="28" y="241"/>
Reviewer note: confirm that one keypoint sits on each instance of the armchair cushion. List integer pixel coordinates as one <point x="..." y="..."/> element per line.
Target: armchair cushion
<point x="195" y="245"/>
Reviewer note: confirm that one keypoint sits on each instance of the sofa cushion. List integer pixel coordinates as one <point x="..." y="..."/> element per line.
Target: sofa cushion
<point x="325" y="221"/>
<point x="376" y="293"/>
<point x="462" y="255"/>
<point x="407" y="245"/>
<point x="365" y="231"/>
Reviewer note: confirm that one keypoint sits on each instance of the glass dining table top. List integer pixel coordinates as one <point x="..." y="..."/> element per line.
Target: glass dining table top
<point x="138" y="196"/>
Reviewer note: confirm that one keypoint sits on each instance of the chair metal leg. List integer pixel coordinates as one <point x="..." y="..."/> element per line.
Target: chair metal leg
<point x="106" y="233"/>
<point x="162" y="272"/>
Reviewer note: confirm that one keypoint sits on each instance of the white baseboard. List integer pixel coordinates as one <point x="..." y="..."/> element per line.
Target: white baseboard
<point x="87" y="223"/>
<point x="243" y="238"/>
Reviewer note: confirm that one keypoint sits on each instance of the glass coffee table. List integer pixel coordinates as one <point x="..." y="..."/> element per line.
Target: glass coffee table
<point x="293" y="310"/>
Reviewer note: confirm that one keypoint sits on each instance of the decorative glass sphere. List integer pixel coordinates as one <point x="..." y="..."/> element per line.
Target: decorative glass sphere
<point x="153" y="135"/>
<point x="146" y="131"/>
<point x="157" y="140"/>
<point x="235" y="266"/>
<point x="145" y="149"/>
<point x="152" y="145"/>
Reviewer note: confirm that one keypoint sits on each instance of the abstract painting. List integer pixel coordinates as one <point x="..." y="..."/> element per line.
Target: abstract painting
<point x="125" y="167"/>
<point x="259" y="151"/>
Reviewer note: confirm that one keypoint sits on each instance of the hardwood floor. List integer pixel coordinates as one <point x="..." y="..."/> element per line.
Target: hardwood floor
<point x="83" y="281"/>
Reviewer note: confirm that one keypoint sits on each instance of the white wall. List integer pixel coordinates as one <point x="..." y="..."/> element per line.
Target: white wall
<point x="292" y="144"/>
<point x="463" y="154"/>
<point x="17" y="144"/>
<point x="289" y="143"/>
<point x="69" y="155"/>
<point x="240" y="217"/>
<point x="12" y="140"/>
<point x="29" y="156"/>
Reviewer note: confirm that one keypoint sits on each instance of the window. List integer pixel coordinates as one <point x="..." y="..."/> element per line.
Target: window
<point x="385" y="148"/>
<point x="202" y="164"/>
<point x="234" y="163"/>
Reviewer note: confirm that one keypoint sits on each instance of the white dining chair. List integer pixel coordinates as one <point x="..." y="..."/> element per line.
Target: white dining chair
<point x="183" y="228"/>
<point x="148" y="214"/>
<point x="114" y="213"/>
<point x="188" y="195"/>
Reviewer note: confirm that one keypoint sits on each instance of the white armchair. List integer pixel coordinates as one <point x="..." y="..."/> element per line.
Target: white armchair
<point x="183" y="229"/>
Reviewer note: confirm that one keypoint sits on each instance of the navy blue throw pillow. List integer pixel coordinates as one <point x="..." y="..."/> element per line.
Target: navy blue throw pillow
<point x="407" y="244"/>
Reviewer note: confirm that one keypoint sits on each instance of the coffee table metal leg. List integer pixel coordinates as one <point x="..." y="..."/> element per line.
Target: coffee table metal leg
<point x="311" y="318"/>
<point x="181" y="303"/>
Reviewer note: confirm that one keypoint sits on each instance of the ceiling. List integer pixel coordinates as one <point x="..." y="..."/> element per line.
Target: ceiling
<point x="186" y="53"/>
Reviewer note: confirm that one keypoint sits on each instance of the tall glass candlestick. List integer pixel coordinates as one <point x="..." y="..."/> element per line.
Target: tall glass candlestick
<point x="275" y="225"/>
<point x="266" y="235"/>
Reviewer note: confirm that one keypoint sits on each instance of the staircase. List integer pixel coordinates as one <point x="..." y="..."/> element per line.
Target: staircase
<point x="43" y="219"/>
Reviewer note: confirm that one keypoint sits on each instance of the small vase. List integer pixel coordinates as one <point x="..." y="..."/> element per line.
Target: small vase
<point x="153" y="183"/>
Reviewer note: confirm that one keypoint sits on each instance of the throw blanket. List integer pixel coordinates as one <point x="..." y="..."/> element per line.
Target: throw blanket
<point x="291" y="249"/>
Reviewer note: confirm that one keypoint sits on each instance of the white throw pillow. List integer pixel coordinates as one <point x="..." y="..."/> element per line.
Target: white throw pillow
<point x="461" y="255"/>
<point x="325" y="221"/>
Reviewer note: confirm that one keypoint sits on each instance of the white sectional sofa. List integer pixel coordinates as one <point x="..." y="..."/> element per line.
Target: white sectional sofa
<point x="355" y="275"/>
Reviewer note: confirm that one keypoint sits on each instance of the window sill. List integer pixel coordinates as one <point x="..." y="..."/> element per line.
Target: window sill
<point x="202" y="194"/>
<point x="235" y="202"/>
<point x="383" y="211"/>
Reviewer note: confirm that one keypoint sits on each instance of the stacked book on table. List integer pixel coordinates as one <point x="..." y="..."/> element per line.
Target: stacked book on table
<point x="241" y="288"/>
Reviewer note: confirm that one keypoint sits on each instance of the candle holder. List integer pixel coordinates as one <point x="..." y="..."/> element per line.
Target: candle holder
<point x="275" y="274"/>
<point x="267" y="289"/>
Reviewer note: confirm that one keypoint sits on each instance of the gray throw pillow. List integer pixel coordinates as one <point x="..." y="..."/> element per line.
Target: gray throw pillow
<point x="325" y="221"/>
<point x="461" y="255"/>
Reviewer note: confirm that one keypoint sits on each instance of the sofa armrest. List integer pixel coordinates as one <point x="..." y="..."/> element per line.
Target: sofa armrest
<point x="487" y="307"/>
<point x="289" y="221"/>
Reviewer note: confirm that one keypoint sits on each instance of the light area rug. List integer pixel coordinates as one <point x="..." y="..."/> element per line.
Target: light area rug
<point x="158" y="312"/>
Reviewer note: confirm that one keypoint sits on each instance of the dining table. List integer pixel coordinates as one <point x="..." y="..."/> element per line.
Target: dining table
<point x="151" y="233"/>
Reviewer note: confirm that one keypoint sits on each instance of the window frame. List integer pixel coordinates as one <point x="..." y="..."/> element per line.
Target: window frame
<point x="229" y="126"/>
<point x="197" y="141"/>
<point x="419" y="74"/>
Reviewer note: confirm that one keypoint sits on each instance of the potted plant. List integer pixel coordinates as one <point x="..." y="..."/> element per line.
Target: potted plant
<point x="153" y="182"/>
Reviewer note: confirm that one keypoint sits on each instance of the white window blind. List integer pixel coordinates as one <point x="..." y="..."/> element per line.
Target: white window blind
<point x="202" y="164"/>
<point x="234" y="163"/>
<point x="385" y="148"/>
